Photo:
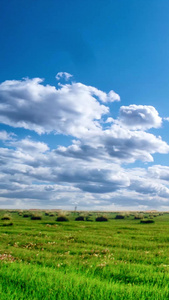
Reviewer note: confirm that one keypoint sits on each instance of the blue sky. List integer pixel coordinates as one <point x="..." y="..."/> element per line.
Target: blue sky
<point x="68" y="140"/>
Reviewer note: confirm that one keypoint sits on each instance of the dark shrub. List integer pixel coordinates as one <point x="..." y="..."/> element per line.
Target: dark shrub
<point x="119" y="217"/>
<point x="8" y="224"/>
<point x="6" y="217"/>
<point x="62" y="219"/>
<point x="101" y="219"/>
<point x="50" y="214"/>
<point x="36" y="217"/>
<point x="147" y="221"/>
<point x="138" y="217"/>
<point x="26" y="215"/>
<point x="80" y="218"/>
<point x="145" y="216"/>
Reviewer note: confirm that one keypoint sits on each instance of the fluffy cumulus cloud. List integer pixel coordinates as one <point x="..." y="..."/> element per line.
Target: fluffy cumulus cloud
<point x="130" y="145"/>
<point x="117" y="143"/>
<point x="160" y="172"/>
<point x="72" y="109"/>
<point x="93" y="171"/>
<point x="140" y="117"/>
<point x="29" y="146"/>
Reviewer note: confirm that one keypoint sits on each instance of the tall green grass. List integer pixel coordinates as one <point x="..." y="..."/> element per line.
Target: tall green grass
<point x="118" y="259"/>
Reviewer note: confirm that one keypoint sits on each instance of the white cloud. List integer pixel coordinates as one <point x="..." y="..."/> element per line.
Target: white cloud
<point x="29" y="146"/>
<point x="110" y="120"/>
<point x="117" y="143"/>
<point x="72" y="109"/>
<point x="99" y="177"/>
<point x="131" y="145"/>
<point x="6" y="136"/>
<point x="63" y="75"/>
<point x="160" y="172"/>
<point x="88" y="172"/>
<point x="148" y="186"/>
<point x="140" y="117"/>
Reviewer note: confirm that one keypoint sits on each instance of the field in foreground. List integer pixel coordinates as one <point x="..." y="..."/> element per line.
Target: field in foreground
<point x="118" y="259"/>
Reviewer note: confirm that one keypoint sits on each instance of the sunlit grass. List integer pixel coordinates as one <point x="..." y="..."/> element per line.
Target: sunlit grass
<point x="118" y="259"/>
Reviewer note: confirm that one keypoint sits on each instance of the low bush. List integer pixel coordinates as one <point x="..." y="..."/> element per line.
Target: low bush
<point x="51" y="215"/>
<point x="26" y="215"/>
<point x="62" y="219"/>
<point x="138" y="216"/>
<point x="8" y="224"/>
<point x="80" y="218"/>
<point x="147" y="221"/>
<point x="145" y="216"/>
<point x="6" y="217"/>
<point x="119" y="217"/>
<point x="101" y="219"/>
<point x="36" y="217"/>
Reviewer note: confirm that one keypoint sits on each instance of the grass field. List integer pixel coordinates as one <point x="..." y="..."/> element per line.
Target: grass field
<point x="118" y="259"/>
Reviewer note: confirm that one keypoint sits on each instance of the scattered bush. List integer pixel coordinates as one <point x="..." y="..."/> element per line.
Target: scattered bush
<point x="51" y="215"/>
<point x="147" y="221"/>
<point x="101" y="219"/>
<point x="88" y="218"/>
<point x="119" y="217"/>
<point x="138" y="216"/>
<point x="6" y="217"/>
<point x="26" y="215"/>
<point x="145" y="216"/>
<point x="80" y="218"/>
<point x="8" y="224"/>
<point x="36" y="217"/>
<point x="62" y="218"/>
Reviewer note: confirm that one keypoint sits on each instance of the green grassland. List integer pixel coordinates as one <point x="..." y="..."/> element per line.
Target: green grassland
<point x="117" y="259"/>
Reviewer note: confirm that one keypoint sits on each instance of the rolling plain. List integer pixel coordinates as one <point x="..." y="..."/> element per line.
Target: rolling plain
<point x="121" y="258"/>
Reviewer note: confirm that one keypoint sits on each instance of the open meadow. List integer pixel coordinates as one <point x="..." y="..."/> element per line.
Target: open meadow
<point x="122" y="258"/>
